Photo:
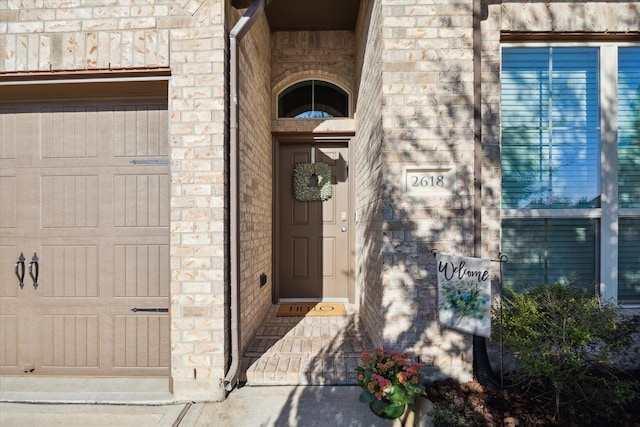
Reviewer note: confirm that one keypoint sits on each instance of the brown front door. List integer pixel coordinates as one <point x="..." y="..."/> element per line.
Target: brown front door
<point x="85" y="186"/>
<point x="315" y="250"/>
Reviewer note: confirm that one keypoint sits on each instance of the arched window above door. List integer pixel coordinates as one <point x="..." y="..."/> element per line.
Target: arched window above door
<point x="313" y="99"/>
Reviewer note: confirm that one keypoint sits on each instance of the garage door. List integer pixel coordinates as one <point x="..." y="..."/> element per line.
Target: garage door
<point x="84" y="215"/>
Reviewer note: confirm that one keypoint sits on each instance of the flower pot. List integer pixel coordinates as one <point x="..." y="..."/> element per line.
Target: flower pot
<point x="389" y="412"/>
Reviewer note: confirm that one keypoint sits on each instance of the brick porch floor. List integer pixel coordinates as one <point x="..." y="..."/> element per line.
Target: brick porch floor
<point x="305" y="350"/>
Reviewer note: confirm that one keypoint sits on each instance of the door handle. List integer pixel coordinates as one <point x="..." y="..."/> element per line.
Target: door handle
<point x="19" y="269"/>
<point x="34" y="261"/>
<point x="152" y="310"/>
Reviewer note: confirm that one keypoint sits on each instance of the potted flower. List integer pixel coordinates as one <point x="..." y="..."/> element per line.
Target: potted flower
<point x="390" y="381"/>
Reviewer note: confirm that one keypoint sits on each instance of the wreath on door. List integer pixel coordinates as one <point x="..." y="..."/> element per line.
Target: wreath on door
<point x="312" y="181"/>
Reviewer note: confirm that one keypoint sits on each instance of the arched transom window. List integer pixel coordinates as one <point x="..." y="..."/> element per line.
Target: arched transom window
<point x="313" y="99"/>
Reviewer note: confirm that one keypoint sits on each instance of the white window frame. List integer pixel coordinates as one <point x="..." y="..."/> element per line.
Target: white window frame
<point x="608" y="212"/>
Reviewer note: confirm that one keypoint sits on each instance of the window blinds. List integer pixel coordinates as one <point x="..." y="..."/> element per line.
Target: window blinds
<point x="547" y="251"/>
<point x="629" y="126"/>
<point x="550" y="128"/>
<point x="629" y="260"/>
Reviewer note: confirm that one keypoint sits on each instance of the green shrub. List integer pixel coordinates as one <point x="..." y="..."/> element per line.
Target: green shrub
<point x="568" y="344"/>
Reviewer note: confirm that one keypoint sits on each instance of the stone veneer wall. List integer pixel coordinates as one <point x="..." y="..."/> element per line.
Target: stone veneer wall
<point x="189" y="37"/>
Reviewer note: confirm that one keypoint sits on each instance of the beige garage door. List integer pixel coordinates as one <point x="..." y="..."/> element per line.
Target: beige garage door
<point x="84" y="188"/>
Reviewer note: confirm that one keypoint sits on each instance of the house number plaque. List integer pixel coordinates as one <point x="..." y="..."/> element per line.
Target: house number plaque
<point x="429" y="180"/>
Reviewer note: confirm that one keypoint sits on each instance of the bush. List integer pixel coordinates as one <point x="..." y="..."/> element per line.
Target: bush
<point x="568" y="344"/>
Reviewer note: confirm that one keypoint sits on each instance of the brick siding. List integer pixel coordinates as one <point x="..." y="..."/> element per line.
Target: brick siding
<point x="409" y="68"/>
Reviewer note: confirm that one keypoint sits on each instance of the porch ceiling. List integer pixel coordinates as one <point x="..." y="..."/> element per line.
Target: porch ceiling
<point x="318" y="15"/>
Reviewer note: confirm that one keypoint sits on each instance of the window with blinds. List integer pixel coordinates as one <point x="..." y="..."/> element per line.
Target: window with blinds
<point x="550" y="128"/>
<point x="629" y="127"/>
<point x="629" y="260"/>
<point x="629" y="173"/>
<point x="550" y="251"/>
<point x="561" y="220"/>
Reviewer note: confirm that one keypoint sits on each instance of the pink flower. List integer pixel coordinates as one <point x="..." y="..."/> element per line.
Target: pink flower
<point x="391" y="376"/>
<point x="384" y="383"/>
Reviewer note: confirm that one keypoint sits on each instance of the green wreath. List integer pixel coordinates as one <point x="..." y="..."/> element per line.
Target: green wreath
<point x="312" y="181"/>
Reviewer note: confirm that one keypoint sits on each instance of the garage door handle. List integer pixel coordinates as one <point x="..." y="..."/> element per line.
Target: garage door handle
<point x="154" y="310"/>
<point x="34" y="261"/>
<point x="20" y="270"/>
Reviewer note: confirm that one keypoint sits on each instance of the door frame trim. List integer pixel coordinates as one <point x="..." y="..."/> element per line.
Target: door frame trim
<point x="310" y="139"/>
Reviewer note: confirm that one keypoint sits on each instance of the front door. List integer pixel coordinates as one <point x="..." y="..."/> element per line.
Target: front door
<point x="314" y="238"/>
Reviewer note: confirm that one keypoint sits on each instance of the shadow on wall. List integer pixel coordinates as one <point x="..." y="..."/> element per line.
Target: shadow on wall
<point x="396" y="238"/>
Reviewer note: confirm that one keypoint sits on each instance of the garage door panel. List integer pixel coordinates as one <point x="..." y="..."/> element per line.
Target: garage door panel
<point x="141" y="200"/>
<point x="140" y="130"/>
<point x="69" y="271"/>
<point x="141" y="271"/>
<point x="69" y="131"/>
<point x="70" y="340"/>
<point x="8" y="135"/>
<point x="9" y="314"/>
<point x="8" y="341"/>
<point x="69" y="201"/>
<point x="141" y="340"/>
<point x="9" y="282"/>
<point x="8" y="206"/>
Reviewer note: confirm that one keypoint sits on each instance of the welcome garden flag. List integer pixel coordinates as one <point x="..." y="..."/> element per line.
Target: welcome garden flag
<point x="464" y="293"/>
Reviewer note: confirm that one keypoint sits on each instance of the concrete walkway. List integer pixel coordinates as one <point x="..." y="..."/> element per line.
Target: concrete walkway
<point x="264" y="406"/>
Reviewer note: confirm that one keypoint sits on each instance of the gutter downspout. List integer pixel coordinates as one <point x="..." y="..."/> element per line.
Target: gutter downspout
<point x="237" y="33"/>
<point x="481" y="364"/>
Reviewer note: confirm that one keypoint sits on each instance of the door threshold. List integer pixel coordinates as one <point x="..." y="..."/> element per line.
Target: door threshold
<point x="113" y="390"/>
<point x="287" y="300"/>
